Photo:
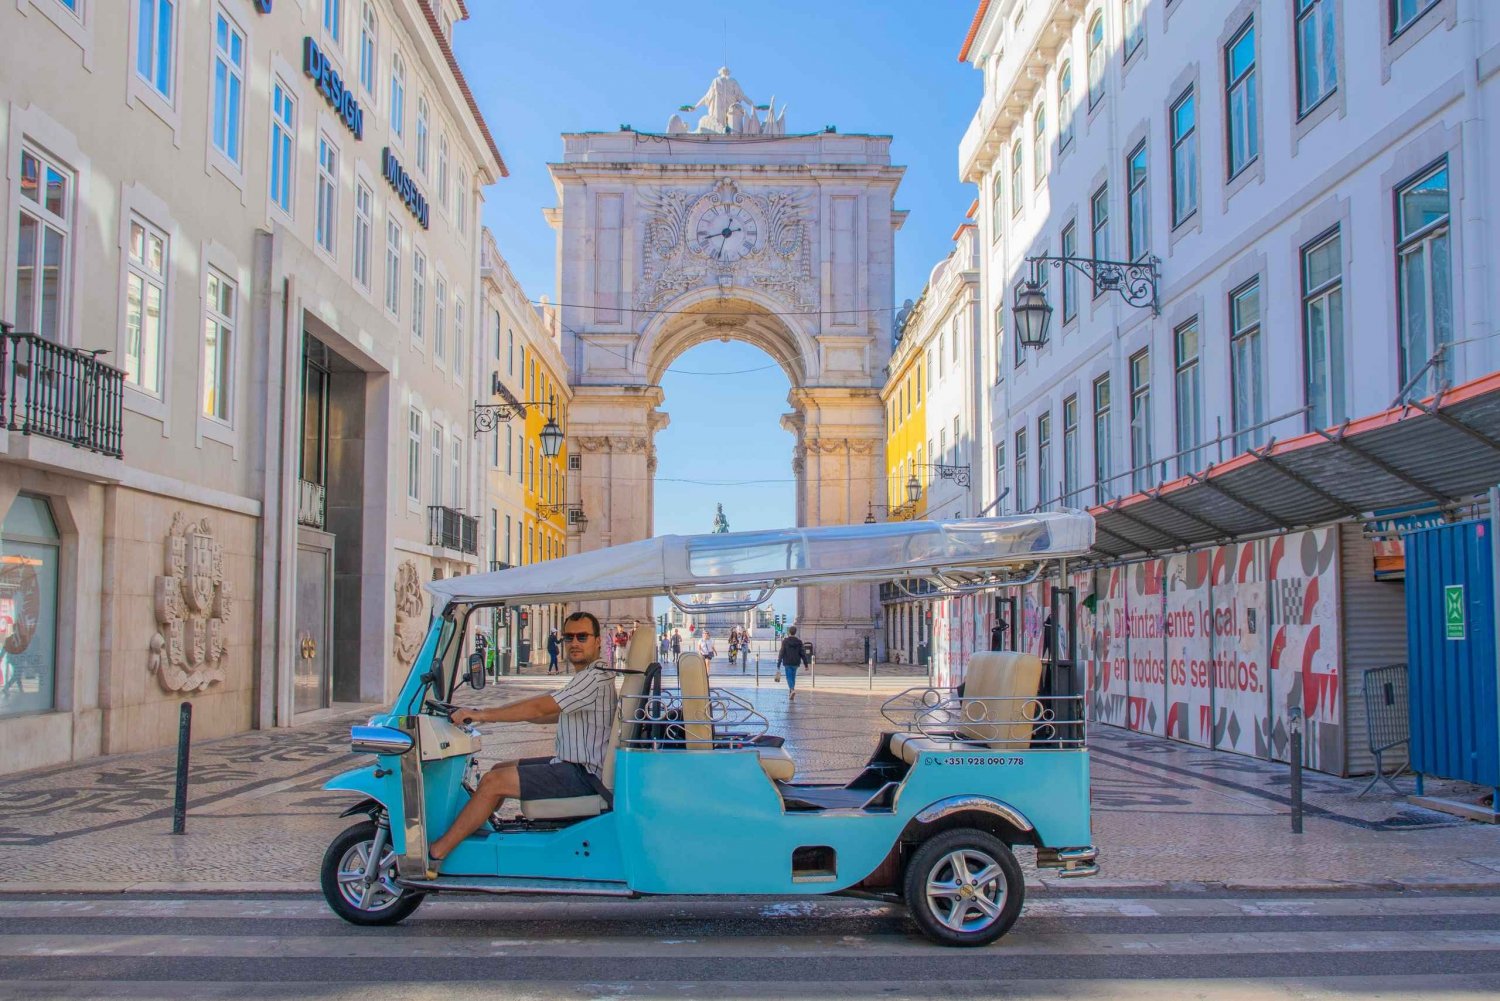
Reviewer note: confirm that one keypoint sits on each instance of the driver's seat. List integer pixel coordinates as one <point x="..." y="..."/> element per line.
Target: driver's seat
<point x="638" y="656"/>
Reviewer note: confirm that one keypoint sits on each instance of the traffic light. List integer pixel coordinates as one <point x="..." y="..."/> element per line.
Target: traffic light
<point x="525" y="618"/>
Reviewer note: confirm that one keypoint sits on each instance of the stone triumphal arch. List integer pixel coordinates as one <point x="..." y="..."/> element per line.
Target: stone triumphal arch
<point x="734" y="230"/>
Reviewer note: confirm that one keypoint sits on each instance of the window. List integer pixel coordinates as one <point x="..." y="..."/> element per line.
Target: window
<point x="218" y="346"/>
<point x="1189" y="390"/>
<point x="1102" y="436"/>
<point x="1404" y="12"/>
<point x="999" y="342"/>
<point x="1323" y="330"/>
<point x="393" y="267"/>
<point x="45" y="227"/>
<point x="333" y="19"/>
<point x="1184" y="158"/>
<point x="510" y="450"/>
<point x="145" y="306"/>
<point x="1044" y="460"/>
<point x="437" y="464"/>
<point x="328" y="195"/>
<point x="1423" y="281"/>
<point x="1239" y="71"/>
<point x="1137" y="205"/>
<point x="369" y="51"/>
<point x="422" y="131"/>
<point x="418" y="295"/>
<point x="1246" y="387"/>
<point x="1140" y="420"/>
<point x="1065" y="106"/>
<point x="1069" y="276"/>
<point x="364" y="200"/>
<point x="1096" y="59"/>
<point x="1070" y="451"/>
<point x="1099" y="226"/>
<point x="999" y="469"/>
<point x="1317" y="62"/>
<point x="1022" y="501"/>
<point x="442" y="178"/>
<point x="1135" y="28"/>
<point x="461" y="203"/>
<point x="456" y="472"/>
<point x="283" y="146"/>
<point x="458" y="337"/>
<point x="997" y="201"/>
<point x="1039" y="144"/>
<point x="1015" y="177"/>
<point x="510" y="350"/>
<point x="229" y="86"/>
<point x="414" y="454"/>
<point x="439" y="318"/>
<point x="398" y="95"/>
<point x="942" y="352"/>
<point x="30" y="547"/>
<point x="507" y="539"/>
<point x="156" y="43"/>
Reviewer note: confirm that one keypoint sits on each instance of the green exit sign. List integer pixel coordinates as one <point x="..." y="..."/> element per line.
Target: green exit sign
<point x="1455" y="626"/>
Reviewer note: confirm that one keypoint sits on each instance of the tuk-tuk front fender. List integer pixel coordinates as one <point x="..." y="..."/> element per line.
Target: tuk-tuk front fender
<point x="377" y="792"/>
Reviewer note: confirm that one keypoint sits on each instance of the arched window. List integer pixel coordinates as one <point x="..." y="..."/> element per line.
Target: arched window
<point x="1016" y="162"/>
<point x="1065" y="105"/>
<point x="368" y="33"/>
<point x="29" y="548"/>
<point x="1096" y="59"/>
<point x="1039" y="143"/>
<point x="422" y="130"/>
<point x="1134" y="27"/>
<point x="398" y="94"/>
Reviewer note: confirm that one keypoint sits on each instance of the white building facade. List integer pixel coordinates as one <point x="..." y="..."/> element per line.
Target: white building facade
<point x="1309" y="179"/>
<point x="265" y="218"/>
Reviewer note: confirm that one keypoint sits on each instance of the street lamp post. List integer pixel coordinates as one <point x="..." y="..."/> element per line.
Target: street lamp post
<point x="488" y="415"/>
<point x="1135" y="281"/>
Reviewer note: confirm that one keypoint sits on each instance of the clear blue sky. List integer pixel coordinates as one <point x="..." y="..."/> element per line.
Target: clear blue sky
<point x="887" y="67"/>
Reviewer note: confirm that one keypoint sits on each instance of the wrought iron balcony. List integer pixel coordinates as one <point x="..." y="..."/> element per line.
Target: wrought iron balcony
<point x="452" y="530"/>
<point x="312" y="503"/>
<point x="57" y="392"/>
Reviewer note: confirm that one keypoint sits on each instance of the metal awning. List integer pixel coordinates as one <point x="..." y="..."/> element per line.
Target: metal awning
<point x="1432" y="454"/>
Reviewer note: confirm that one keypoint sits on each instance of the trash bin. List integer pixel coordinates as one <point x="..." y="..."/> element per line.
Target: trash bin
<point x="523" y="654"/>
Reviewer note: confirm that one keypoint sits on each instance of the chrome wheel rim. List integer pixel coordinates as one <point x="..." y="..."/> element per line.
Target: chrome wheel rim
<point x="966" y="890"/>
<point x="367" y="887"/>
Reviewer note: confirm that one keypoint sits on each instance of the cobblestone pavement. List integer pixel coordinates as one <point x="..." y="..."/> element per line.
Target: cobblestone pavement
<point x="1164" y="813"/>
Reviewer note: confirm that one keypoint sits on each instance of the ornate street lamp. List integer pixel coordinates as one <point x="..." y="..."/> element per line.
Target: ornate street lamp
<point x="552" y="438"/>
<point x="958" y="474"/>
<point x="488" y="415"/>
<point x="1136" y="282"/>
<point x="913" y="489"/>
<point x="1032" y="315"/>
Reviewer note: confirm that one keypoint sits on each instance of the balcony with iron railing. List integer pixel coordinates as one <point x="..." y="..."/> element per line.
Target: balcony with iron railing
<point x="60" y="393"/>
<point x="452" y="530"/>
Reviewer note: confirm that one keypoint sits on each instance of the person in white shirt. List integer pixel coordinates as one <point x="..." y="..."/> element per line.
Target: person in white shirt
<point x="706" y="647"/>
<point x="584" y="711"/>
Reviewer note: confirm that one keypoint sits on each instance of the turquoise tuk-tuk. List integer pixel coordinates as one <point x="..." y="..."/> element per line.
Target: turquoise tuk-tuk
<point x="962" y="779"/>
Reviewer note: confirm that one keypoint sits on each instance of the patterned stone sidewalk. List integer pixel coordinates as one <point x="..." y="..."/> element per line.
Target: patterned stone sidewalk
<point x="1165" y="813"/>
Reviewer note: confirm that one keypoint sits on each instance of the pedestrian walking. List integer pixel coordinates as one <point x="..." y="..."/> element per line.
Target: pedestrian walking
<point x="793" y="655"/>
<point x="706" y="647"/>
<point x="621" y="639"/>
<point x="676" y="646"/>
<point x="662" y="646"/>
<point x="553" y="647"/>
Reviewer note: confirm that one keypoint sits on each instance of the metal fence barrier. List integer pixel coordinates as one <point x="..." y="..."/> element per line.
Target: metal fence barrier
<point x="1387" y="722"/>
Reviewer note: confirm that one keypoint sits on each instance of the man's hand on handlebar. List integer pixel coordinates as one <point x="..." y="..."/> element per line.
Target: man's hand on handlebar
<point x="464" y="717"/>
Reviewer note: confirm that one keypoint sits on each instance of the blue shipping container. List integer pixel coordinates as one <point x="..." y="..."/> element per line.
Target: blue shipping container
<point x="1454" y="675"/>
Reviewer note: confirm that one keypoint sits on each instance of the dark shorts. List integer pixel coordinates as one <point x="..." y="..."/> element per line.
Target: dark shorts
<point x="543" y="778"/>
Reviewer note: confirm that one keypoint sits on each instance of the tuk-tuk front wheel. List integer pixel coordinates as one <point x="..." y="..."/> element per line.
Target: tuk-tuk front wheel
<point x="359" y="877"/>
<point x="964" y="887"/>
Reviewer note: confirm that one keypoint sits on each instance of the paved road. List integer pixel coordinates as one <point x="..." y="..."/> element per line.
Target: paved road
<point x="1225" y="945"/>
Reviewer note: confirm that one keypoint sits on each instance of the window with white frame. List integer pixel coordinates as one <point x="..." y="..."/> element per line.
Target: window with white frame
<point x="1240" y="98"/>
<point x="45" y="231"/>
<point x="1000" y="469"/>
<point x="1065" y="105"/>
<point x="1135" y="27"/>
<point x="440" y="318"/>
<point x="392" y="267"/>
<point x="442" y="171"/>
<point x="458" y="337"/>
<point x="218" y="346"/>
<point x="1323" y="329"/>
<point x="1096" y="56"/>
<point x="997" y="203"/>
<point x="414" y="454"/>
<point x="364" y="206"/>
<point x="1070" y="451"/>
<point x="461" y="203"/>
<point x="146" y="306"/>
<point x="1137" y="204"/>
<point x="1099" y="226"/>
<point x="495" y="451"/>
<point x="1188" y="384"/>
<point x="1069" y="276"/>
<point x="328" y="195"/>
<point x="1103" y="438"/>
<point x="1044" y="483"/>
<point x="333" y="19"/>
<point x="156" y="44"/>
<point x="1023" y="501"/>
<point x="1405" y="12"/>
<point x="369" y="48"/>
<point x="456" y="472"/>
<point x="1317" y="52"/>
<point x="1017" y="164"/>
<point x="1039" y="144"/>
<point x="422" y="130"/>
<point x="1140" y="419"/>
<point x="1246" y="380"/>
<point x="999" y="342"/>
<point x="1184" y="158"/>
<point x="418" y="295"/>
<point x="1424" y="286"/>
<point x="228" y="86"/>
<point x="398" y="95"/>
<point x="283" y="146"/>
<point x="436" y="468"/>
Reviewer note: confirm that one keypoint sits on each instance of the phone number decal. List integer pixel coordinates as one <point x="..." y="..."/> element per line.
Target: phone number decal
<point x="976" y="759"/>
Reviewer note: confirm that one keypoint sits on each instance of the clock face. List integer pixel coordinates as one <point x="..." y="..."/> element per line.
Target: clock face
<point x="726" y="233"/>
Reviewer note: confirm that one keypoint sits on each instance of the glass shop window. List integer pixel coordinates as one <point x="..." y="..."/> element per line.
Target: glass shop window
<point x="29" y="546"/>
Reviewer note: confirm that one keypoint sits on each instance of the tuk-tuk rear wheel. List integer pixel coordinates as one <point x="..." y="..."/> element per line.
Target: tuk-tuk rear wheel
<point x="378" y="901"/>
<point x="964" y="886"/>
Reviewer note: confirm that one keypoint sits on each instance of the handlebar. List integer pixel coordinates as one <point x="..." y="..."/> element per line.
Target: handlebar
<point x="438" y="708"/>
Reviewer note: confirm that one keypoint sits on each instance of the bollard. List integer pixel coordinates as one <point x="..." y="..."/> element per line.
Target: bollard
<point x="870" y="673"/>
<point x="184" y="736"/>
<point x="1294" y="730"/>
<point x="757" y="669"/>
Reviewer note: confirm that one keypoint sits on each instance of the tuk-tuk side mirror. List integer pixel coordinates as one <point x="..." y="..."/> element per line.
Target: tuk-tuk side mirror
<point x="476" y="671"/>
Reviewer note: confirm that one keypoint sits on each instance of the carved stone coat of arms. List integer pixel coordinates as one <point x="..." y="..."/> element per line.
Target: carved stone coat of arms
<point x="192" y="610"/>
<point x="411" y="625"/>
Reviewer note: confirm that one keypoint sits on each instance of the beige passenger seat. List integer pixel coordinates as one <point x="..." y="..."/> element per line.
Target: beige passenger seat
<point x="995" y="690"/>
<point x="698" y="728"/>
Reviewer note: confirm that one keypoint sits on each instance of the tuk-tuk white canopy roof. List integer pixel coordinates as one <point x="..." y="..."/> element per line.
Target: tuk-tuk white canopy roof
<point x="740" y="561"/>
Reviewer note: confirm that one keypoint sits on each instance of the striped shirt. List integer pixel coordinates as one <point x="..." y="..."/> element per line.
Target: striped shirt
<point x="588" y="702"/>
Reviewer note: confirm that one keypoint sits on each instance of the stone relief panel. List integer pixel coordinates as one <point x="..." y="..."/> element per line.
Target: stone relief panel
<point x="411" y="626"/>
<point x="723" y="237"/>
<point x="192" y="610"/>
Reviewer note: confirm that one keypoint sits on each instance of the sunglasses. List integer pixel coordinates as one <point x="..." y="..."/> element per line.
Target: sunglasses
<point x="577" y="637"/>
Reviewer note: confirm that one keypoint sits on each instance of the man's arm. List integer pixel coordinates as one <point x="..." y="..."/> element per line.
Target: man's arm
<point x="533" y="709"/>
